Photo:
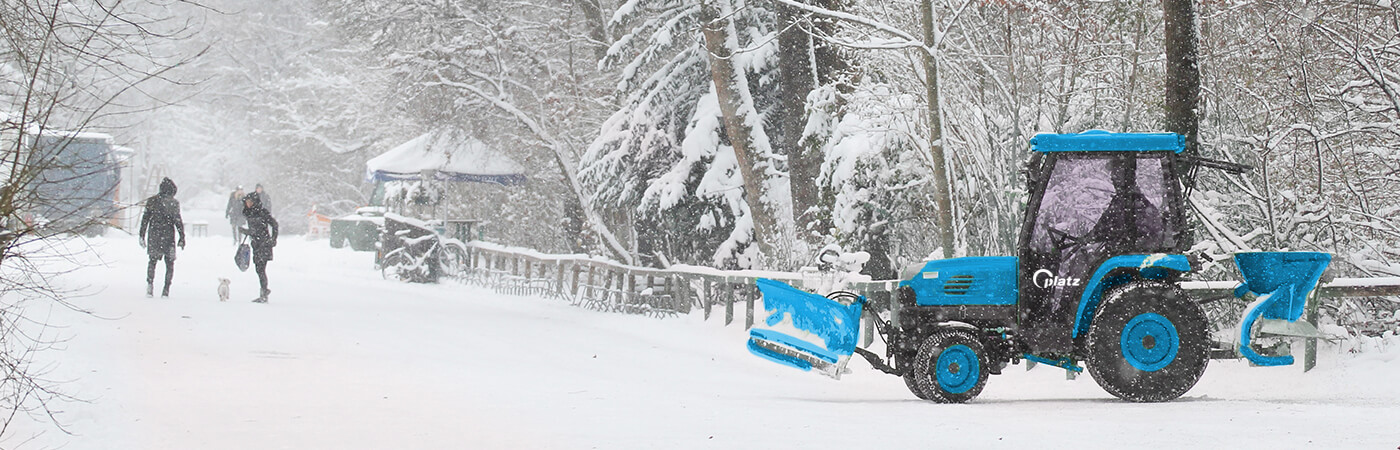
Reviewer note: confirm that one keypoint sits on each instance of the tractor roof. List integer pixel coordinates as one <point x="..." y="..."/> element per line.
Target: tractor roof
<point x="1103" y="141"/>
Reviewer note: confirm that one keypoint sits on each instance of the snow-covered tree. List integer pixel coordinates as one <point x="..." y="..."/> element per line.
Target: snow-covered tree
<point x="666" y="152"/>
<point x="66" y="69"/>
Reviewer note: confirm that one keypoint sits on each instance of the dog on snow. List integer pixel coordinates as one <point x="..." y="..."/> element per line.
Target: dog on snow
<point x="223" y="289"/>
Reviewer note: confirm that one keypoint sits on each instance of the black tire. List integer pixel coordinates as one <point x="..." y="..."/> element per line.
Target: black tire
<point x="453" y="261"/>
<point x="1148" y="342"/>
<point x="337" y="241"/>
<point x="951" y="367"/>
<point x="397" y="266"/>
<point x="909" y="382"/>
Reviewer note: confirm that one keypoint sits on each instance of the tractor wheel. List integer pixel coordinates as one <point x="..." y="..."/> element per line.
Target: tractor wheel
<point x="1148" y="343"/>
<point x="951" y="367"/>
<point x="913" y="385"/>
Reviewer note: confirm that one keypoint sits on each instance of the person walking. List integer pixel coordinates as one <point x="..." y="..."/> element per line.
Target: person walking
<point x="159" y="223"/>
<point x="264" y="197"/>
<point x="262" y="236"/>
<point x="234" y="213"/>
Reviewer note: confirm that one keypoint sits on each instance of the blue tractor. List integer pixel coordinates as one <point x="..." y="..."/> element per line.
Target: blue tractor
<point x="1096" y="281"/>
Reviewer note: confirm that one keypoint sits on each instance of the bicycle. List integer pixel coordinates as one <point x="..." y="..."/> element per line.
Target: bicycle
<point x="424" y="259"/>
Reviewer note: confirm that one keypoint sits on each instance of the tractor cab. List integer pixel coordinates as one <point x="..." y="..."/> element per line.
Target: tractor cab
<point x="1099" y="202"/>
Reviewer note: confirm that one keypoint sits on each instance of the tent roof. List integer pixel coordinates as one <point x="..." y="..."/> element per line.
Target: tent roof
<point x="454" y="157"/>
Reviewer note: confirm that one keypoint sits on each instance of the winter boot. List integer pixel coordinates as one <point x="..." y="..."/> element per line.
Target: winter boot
<point x="150" y="288"/>
<point x="262" y="298"/>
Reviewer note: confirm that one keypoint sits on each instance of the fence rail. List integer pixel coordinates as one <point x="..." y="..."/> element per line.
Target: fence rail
<point x="604" y="285"/>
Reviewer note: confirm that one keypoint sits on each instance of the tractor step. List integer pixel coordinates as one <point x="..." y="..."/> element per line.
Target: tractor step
<point x="1071" y="367"/>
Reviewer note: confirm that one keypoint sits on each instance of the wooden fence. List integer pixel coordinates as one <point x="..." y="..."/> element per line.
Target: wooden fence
<point x="605" y="285"/>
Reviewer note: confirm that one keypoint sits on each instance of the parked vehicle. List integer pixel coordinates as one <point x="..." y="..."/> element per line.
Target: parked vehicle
<point x="75" y="186"/>
<point x="360" y="229"/>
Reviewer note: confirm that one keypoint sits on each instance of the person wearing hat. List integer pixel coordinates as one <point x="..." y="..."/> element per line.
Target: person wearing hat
<point x="263" y="196"/>
<point x="234" y="213"/>
<point x="159" y="224"/>
<point x="262" y="236"/>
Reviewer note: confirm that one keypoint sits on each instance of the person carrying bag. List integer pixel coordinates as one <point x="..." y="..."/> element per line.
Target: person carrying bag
<point x="262" y="236"/>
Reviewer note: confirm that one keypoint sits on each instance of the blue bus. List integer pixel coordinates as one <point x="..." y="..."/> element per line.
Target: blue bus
<point x="72" y="182"/>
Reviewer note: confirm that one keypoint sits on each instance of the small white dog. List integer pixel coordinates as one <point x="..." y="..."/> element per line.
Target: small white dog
<point x="223" y="289"/>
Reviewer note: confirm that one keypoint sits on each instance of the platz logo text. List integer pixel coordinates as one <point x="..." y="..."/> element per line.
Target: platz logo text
<point x="1046" y="279"/>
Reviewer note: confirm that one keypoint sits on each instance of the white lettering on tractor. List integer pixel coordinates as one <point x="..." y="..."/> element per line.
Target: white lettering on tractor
<point x="1046" y="279"/>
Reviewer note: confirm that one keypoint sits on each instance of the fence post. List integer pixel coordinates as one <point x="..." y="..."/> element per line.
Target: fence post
<point x="729" y="302"/>
<point x="1310" y="344"/>
<point x="708" y="300"/>
<point x="749" y="300"/>
<point x="673" y="289"/>
<point x="559" y="274"/>
<point x="574" y="271"/>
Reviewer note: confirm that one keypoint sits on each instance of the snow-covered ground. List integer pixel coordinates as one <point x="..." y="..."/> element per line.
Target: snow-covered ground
<point x="342" y="359"/>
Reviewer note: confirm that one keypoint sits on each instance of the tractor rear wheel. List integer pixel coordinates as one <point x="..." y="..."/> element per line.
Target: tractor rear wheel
<point x="1148" y="342"/>
<point x="951" y="367"/>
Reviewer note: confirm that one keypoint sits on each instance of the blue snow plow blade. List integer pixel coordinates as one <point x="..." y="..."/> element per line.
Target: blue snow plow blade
<point x="834" y="328"/>
<point x="1280" y="282"/>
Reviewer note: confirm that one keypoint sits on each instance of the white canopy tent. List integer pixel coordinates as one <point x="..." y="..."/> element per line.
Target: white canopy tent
<point x="448" y="155"/>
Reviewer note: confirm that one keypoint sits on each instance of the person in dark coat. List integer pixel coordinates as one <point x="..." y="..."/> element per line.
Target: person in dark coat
<point x="234" y="213"/>
<point x="159" y="224"/>
<point x="263" y="196"/>
<point x="262" y="235"/>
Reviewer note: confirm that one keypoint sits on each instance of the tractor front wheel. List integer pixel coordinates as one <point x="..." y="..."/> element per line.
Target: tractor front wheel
<point x="1148" y="343"/>
<point x="951" y="367"/>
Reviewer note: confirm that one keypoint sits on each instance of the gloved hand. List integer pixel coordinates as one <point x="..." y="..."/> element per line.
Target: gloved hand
<point x="141" y="240"/>
<point x="182" y="242"/>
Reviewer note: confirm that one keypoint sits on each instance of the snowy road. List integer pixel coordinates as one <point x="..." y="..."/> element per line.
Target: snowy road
<point x="341" y="359"/>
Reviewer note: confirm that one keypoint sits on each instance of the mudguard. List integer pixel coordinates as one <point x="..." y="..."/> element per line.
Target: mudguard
<point x="1155" y="266"/>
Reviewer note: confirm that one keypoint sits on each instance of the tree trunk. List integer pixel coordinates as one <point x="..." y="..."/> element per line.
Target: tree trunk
<point x="1183" y="83"/>
<point x="795" y="59"/>
<point x="942" y="192"/>
<point x="741" y="122"/>
<point x="1183" y="73"/>
<point x="597" y="26"/>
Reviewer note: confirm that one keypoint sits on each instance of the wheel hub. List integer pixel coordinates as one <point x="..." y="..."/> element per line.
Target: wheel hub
<point x="957" y="370"/>
<point x="1149" y="342"/>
